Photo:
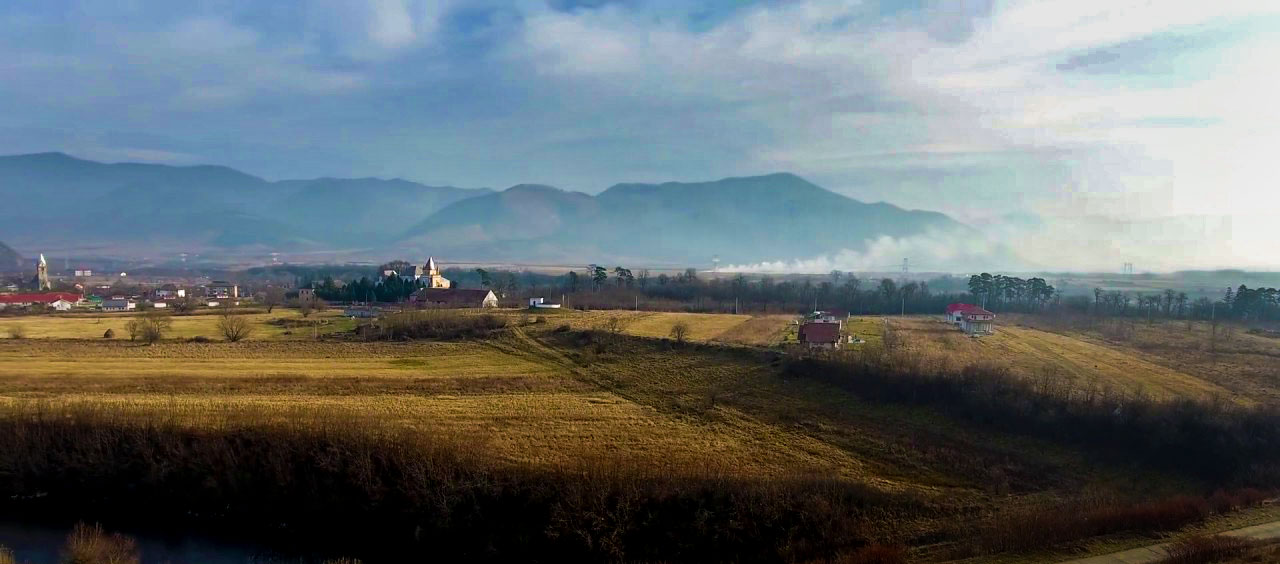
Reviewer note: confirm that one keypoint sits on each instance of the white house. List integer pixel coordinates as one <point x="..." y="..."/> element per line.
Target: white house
<point x="971" y="319"/>
<point x="541" y="303"/>
<point x="61" y="305"/>
<point x="119" y="305"/>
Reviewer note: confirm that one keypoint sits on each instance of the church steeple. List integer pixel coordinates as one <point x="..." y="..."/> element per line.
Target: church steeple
<point x="434" y="279"/>
<point x="42" y="275"/>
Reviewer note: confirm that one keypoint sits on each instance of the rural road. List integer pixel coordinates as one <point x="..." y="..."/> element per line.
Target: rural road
<point x="1156" y="552"/>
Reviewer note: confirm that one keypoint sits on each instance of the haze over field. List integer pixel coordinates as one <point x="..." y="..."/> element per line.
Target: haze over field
<point x="1061" y="136"/>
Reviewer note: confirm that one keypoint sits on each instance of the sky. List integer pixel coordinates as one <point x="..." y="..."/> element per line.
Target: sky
<point x="1120" y="121"/>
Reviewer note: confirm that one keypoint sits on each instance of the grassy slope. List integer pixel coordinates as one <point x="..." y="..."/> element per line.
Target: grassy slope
<point x="1037" y="354"/>
<point x="1244" y="364"/>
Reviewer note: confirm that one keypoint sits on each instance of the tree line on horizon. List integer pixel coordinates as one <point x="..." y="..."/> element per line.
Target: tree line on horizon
<point x="601" y="287"/>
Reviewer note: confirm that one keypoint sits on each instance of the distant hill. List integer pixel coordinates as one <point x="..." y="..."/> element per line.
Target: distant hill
<point x="60" y="200"/>
<point x="10" y="260"/>
<point x="772" y="217"/>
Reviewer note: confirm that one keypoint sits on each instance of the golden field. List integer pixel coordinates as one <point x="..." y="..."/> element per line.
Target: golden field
<point x="716" y="406"/>
<point x="1042" y="354"/>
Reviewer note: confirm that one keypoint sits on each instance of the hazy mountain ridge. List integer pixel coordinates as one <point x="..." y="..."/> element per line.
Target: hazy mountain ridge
<point x="10" y="260"/>
<point x="59" y="198"/>
<point x="771" y="217"/>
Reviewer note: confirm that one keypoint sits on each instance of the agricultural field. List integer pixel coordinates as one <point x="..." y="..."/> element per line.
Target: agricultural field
<point x="758" y="330"/>
<point x="1232" y="358"/>
<point x="282" y="324"/>
<point x="538" y="396"/>
<point x="1056" y="357"/>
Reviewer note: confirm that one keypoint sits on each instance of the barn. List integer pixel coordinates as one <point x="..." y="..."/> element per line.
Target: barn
<point x="453" y="298"/>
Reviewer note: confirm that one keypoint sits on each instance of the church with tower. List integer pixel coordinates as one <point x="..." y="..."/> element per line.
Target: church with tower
<point x="428" y="273"/>
<point x="42" y="275"/>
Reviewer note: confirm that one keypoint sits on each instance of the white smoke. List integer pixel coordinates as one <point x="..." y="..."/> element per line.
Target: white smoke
<point x="1079" y="244"/>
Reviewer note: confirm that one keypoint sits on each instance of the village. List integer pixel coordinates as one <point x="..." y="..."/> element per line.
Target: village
<point x="89" y="292"/>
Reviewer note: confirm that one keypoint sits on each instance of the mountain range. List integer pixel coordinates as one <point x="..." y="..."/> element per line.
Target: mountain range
<point x="62" y="201"/>
<point x="10" y="260"/>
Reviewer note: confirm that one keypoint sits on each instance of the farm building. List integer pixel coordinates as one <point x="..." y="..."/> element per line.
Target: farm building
<point x="542" y="303"/>
<point x="169" y="292"/>
<point x="61" y="301"/>
<point x="820" y="335"/>
<point x="453" y="298"/>
<point x="118" y="305"/>
<point x="222" y="290"/>
<point x="970" y="318"/>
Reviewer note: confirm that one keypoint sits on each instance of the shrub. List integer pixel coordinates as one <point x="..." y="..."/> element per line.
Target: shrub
<point x="109" y="334"/>
<point x="17" y="331"/>
<point x="90" y="545"/>
<point x="875" y="554"/>
<point x="390" y="494"/>
<point x="562" y="328"/>
<point x="199" y="339"/>
<point x="433" y="324"/>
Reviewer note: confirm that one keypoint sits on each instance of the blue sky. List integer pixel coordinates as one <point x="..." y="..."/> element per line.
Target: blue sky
<point x="972" y="107"/>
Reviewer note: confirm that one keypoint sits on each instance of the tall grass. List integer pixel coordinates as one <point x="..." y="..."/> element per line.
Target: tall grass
<point x="91" y="545"/>
<point x="1201" y="549"/>
<point x="387" y="494"/>
<point x="1039" y="527"/>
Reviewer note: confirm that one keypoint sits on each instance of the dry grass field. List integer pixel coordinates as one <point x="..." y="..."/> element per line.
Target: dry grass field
<point x="87" y="326"/>
<point x="1047" y="355"/>
<point x="1248" y="365"/>
<point x="758" y="330"/>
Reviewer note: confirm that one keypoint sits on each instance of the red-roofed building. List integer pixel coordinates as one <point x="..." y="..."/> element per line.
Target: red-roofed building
<point x="972" y="319"/>
<point x="820" y="335"/>
<point x="61" y="301"/>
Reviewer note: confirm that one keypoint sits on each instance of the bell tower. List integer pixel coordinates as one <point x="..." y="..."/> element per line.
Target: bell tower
<point x="434" y="279"/>
<point x="42" y="275"/>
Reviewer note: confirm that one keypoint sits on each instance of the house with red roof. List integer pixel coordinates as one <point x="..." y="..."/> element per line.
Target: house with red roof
<point x="820" y="335"/>
<point x="971" y="319"/>
<point x="61" y="301"/>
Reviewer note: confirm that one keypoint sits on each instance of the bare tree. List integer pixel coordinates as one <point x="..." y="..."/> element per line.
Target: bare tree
<point x="306" y="306"/>
<point x="134" y="328"/>
<point x="680" y="332"/>
<point x="273" y="297"/>
<point x="234" y="327"/>
<point x="184" y="304"/>
<point x="152" y="326"/>
<point x="17" y="331"/>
